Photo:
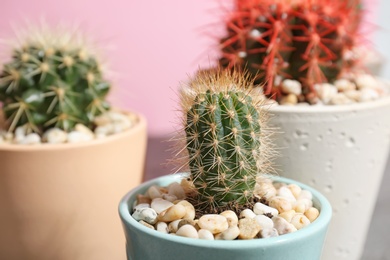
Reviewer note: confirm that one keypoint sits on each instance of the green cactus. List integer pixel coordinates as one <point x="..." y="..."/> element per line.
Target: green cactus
<point x="226" y="139"/>
<point x="52" y="80"/>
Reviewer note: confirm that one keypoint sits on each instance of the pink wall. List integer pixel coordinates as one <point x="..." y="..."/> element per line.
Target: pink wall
<point x="157" y="43"/>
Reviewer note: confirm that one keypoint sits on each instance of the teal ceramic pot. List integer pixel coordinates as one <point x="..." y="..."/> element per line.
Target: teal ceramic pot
<point x="146" y="244"/>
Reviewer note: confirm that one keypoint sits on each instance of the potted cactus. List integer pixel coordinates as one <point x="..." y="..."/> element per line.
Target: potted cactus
<point x="63" y="150"/>
<point x="226" y="196"/>
<point x="333" y="115"/>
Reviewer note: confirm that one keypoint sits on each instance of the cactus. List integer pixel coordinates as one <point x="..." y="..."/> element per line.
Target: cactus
<point x="308" y="40"/>
<point x="226" y="139"/>
<point x="52" y="80"/>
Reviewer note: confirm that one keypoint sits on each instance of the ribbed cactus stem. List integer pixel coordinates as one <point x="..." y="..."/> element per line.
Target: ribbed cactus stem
<point x="224" y="134"/>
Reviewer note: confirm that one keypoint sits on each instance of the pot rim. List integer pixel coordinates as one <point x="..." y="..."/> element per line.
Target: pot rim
<point x="321" y="222"/>
<point x="139" y="125"/>
<point x="384" y="101"/>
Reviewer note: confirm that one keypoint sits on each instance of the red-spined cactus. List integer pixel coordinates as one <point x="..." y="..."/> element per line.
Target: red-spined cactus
<point x="308" y="40"/>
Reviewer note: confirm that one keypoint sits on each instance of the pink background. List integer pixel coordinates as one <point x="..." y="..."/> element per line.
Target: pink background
<point x="156" y="44"/>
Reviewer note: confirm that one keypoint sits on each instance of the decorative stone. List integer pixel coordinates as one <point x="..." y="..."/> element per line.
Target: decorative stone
<point x="261" y="209"/>
<point x="368" y="94"/>
<point x="154" y="192"/>
<point x="268" y="232"/>
<point x="30" y="139"/>
<point x="174" y="226"/>
<point x="280" y="203"/>
<point x="300" y="207"/>
<point x="141" y="199"/>
<point x="312" y="214"/>
<point x="213" y="222"/>
<point x="295" y="190"/>
<point x="190" y="210"/>
<point x="248" y="228"/>
<point x="146" y="224"/>
<point x="288" y="215"/>
<point x="307" y="202"/>
<point x="55" y="136"/>
<point x="187" y="231"/>
<point x="229" y="234"/>
<point x="300" y="221"/>
<point x="231" y="217"/>
<point x="183" y="222"/>
<point x="325" y="91"/>
<point x="282" y="226"/>
<point x="365" y="81"/>
<point x="247" y="213"/>
<point x="264" y="221"/>
<point x="173" y="213"/>
<point x="265" y="189"/>
<point x="343" y="85"/>
<point x="305" y="194"/>
<point x="177" y="190"/>
<point x="205" y="234"/>
<point x="162" y="227"/>
<point x="83" y="129"/>
<point x="289" y="100"/>
<point x="168" y="197"/>
<point x="286" y="193"/>
<point x="78" y="137"/>
<point x="340" y="99"/>
<point x="160" y="205"/>
<point x="148" y="215"/>
<point x="290" y="86"/>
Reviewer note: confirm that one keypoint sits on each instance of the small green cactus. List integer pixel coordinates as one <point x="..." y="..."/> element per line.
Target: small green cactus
<point x="52" y="80"/>
<point x="226" y="139"/>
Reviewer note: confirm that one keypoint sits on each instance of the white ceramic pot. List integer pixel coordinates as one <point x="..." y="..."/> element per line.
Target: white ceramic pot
<point x="341" y="151"/>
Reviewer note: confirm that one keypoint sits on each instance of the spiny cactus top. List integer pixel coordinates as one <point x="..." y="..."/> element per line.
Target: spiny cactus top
<point x="308" y="40"/>
<point x="52" y="79"/>
<point x="226" y="139"/>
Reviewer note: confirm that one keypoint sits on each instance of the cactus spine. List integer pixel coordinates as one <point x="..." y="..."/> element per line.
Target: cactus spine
<point x="309" y="40"/>
<point x="52" y="79"/>
<point x="226" y="139"/>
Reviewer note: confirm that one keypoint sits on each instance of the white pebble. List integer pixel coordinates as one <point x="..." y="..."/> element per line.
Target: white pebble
<point x="300" y="221"/>
<point x="160" y="205"/>
<point x="247" y="213"/>
<point x="340" y="99"/>
<point x="174" y="226"/>
<point x="305" y="194"/>
<point x="148" y="215"/>
<point x="177" y="190"/>
<point x="190" y="210"/>
<point x="213" y="222"/>
<point x="104" y="130"/>
<point x="169" y="197"/>
<point x="32" y="138"/>
<point x="20" y="131"/>
<point x="261" y="209"/>
<point x="290" y="86"/>
<point x="154" y="192"/>
<point x="146" y="224"/>
<point x="365" y="81"/>
<point x="205" y="234"/>
<point x="187" y="231"/>
<point x="55" y="136"/>
<point x="141" y="206"/>
<point x="307" y="202"/>
<point x="231" y="217"/>
<point x="265" y="189"/>
<point x="229" y="234"/>
<point x="249" y="228"/>
<point x="325" y="91"/>
<point x="353" y="95"/>
<point x="264" y="221"/>
<point x="83" y="129"/>
<point x="162" y="227"/>
<point x="312" y="214"/>
<point x="282" y="226"/>
<point x="343" y="85"/>
<point x="295" y="190"/>
<point x="281" y="204"/>
<point x="289" y="100"/>
<point x="77" y="137"/>
<point x="173" y="213"/>
<point x="368" y="94"/>
<point x="268" y="232"/>
<point x="300" y="206"/>
<point x="286" y="193"/>
<point x="288" y="215"/>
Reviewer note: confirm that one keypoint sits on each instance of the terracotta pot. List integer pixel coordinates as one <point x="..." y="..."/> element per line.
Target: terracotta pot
<point x="60" y="201"/>
<point x="144" y="243"/>
<point x="341" y="151"/>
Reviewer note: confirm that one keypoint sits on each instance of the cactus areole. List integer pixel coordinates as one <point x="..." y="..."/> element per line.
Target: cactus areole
<point x="52" y="80"/>
<point x="223" y="128"/>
